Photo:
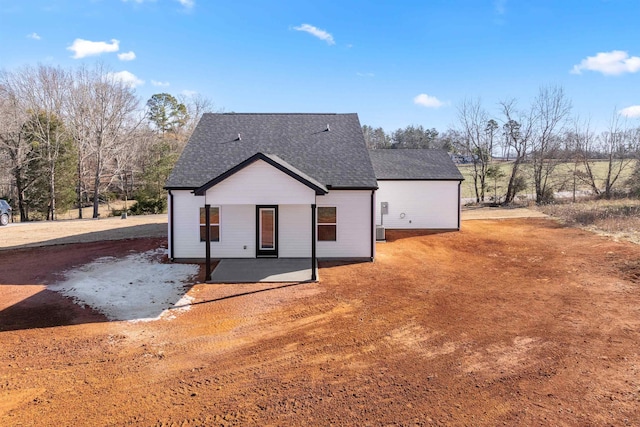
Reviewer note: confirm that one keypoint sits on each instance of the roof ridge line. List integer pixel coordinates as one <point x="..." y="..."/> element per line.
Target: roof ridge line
<point x="282" y="114"/>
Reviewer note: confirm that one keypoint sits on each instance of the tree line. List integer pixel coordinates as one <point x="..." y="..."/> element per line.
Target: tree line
<point x="541" y="135"/>
<point x="70" y="138"/>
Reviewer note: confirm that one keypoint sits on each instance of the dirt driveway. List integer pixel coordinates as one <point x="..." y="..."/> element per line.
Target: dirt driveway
<point x="508" y="322"/>
<point x="44" y="233"/>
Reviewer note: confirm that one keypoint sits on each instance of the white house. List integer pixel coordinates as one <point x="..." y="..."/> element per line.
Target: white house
<point x="292" y="186"/>
<point x="277" y="185"/>
<point x="417" y="189"/>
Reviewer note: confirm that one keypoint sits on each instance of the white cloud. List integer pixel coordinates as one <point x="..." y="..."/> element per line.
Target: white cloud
<point x="34" y="36"/>
<point x="500" y="6"/>
<point x="82" y="48"/>
<point x="316" y="32"/>
<point x="428" y="101"/>
<point x="127" y="77"/>
<point x="365" y="74"/>
<point x="632" y="112"/>
<point x="611" y="63"/>
<point x="187" y="92"/>
<point x="127" y="56"/>
<point x="187" y="3"/>
<point x="157" y="83"/>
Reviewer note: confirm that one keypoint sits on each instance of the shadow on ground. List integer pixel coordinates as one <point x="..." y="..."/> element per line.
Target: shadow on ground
<point x="46" y="309"/>
<point x="394" y="235"/>
<point x="131" y="232"/>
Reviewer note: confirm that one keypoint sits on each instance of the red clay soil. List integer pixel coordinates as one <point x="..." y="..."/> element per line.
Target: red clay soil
<point x="512" y="322"/>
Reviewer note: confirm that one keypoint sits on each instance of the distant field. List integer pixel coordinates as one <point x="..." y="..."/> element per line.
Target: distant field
<point x="104" y="209"/>
<point x="562" y="179"/>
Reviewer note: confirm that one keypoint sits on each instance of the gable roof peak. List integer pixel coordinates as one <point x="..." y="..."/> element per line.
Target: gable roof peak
<point x="274" y="161"/>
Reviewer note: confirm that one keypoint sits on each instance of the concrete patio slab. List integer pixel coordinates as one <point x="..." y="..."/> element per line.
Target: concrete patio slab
<point x="256" y="270"/>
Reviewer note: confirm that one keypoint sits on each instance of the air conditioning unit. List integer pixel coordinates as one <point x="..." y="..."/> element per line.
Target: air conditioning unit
<point x="380" y="232"/>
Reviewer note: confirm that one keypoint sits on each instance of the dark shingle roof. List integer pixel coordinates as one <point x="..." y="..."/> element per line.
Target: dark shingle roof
<point x="335" y="158"/>
<point x="414" y="164"/>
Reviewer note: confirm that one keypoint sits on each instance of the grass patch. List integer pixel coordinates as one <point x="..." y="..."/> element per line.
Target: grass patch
<point x="615" y="218"/>
<point x="562" y="178"/>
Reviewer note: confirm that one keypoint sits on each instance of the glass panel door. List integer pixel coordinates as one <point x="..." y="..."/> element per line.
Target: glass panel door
<point x="267" y="228"/>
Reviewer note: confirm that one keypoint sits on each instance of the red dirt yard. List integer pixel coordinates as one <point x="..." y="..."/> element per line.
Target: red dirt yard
<point x="508" y="322"/>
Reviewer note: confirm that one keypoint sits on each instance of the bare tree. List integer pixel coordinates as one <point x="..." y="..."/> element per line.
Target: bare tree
<point x="13" y="140"/>
<point x="197" y="105"/>
<point x="618" y="144"/>
<point x="585" y="146"/>
<point x="617" y="147"/>
<point x="43" y="90"/>
<point x="131" y="161"/>
<point x="104" y="115"/>
<point x="478" y="136"/>
<point x="551" y="110"/>
<point x="517" y="130"/>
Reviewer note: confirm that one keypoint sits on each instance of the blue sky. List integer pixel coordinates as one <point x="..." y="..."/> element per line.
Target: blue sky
<point x="395" y="63"/>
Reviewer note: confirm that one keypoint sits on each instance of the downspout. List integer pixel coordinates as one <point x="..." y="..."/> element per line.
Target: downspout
<point x="171" y="241"/>
<point x="373" y="228"/>
<point x="313" y="242"/>
<point x="459" y="205"/>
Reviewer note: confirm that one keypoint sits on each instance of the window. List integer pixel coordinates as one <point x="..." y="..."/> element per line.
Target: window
<point x="326" y="224"/>
<point x="214" y="220"/>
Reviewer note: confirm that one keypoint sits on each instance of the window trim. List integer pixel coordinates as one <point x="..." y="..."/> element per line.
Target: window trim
<point x="212" y="224"/>
<point x="320" y="224"/>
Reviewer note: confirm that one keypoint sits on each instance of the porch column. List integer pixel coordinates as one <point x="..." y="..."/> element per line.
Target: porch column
<point x="207" y="234"/>
<point x="171" y="239"/>
<point x="313" y="242"/>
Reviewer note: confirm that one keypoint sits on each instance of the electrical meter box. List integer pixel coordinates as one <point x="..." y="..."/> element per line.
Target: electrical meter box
<point x="384" y="208"/>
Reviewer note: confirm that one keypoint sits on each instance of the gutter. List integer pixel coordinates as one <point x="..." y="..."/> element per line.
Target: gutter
<point x="372" y="224"/>
<point x="459" y="206"/>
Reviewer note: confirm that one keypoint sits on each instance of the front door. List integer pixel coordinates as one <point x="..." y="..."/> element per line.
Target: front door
<point x="267" y="231"/>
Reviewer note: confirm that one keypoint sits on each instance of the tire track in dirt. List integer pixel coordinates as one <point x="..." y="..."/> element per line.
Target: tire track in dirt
<point x="511" y="322"/>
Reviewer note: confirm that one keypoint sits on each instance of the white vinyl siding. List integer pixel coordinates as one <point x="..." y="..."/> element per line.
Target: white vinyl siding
<point x="418" y="204"/>
<point x="266" y="185"/>
<point x="294" y="229"/>
<point x="260" y="184"/>
<point x="354" y="231"/>
<point x="186" y="225"/>
<point x="237" y="229"/>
